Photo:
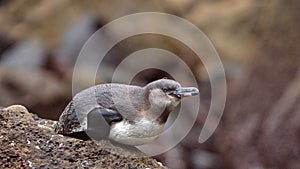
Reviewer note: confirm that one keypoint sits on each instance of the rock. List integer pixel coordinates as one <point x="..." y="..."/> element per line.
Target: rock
<point x="30" y="142"/>
<point x="5" y="43"/>
<point x="75" y="37"/>
<point x="28" y="54"/>
<point x="38" y="90"/>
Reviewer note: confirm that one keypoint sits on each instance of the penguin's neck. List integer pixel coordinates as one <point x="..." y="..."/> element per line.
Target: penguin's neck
<point x="162" y="119"/>
<point x="157" y="112"/>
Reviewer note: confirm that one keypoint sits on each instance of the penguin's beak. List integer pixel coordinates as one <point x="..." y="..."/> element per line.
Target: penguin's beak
<point x="185" y="92"/>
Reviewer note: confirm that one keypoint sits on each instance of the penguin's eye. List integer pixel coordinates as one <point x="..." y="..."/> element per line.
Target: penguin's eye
<point x="165" y="89"/>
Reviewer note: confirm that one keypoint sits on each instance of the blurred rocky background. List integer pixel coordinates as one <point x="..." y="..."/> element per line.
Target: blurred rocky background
<point x="258" y="42"/>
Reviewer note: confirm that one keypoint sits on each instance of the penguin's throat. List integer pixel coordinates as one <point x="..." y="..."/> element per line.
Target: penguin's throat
<point x="153" y="109"/>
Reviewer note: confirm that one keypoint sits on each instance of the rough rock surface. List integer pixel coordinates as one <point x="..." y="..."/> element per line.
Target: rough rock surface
<point x="30" y="142"/>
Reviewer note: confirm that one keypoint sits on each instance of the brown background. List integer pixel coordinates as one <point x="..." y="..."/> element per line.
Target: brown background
<point x="258" y="42"/>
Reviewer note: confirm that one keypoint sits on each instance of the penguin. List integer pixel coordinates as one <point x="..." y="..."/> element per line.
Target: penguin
<point x="126" y="114"/>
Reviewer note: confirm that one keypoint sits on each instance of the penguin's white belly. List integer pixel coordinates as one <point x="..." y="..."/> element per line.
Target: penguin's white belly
<point x="139" y="133"/>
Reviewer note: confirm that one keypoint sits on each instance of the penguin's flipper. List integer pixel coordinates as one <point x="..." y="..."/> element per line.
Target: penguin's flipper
<point x="110" y="115"/>
<point x="99" y="121"/>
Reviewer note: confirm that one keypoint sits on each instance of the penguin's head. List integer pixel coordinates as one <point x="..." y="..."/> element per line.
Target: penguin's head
<point x="168" y="93"/>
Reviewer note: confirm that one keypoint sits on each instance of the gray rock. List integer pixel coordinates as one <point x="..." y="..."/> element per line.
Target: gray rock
<point x="25" y="54"/>
<point x="75" y="37"/>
